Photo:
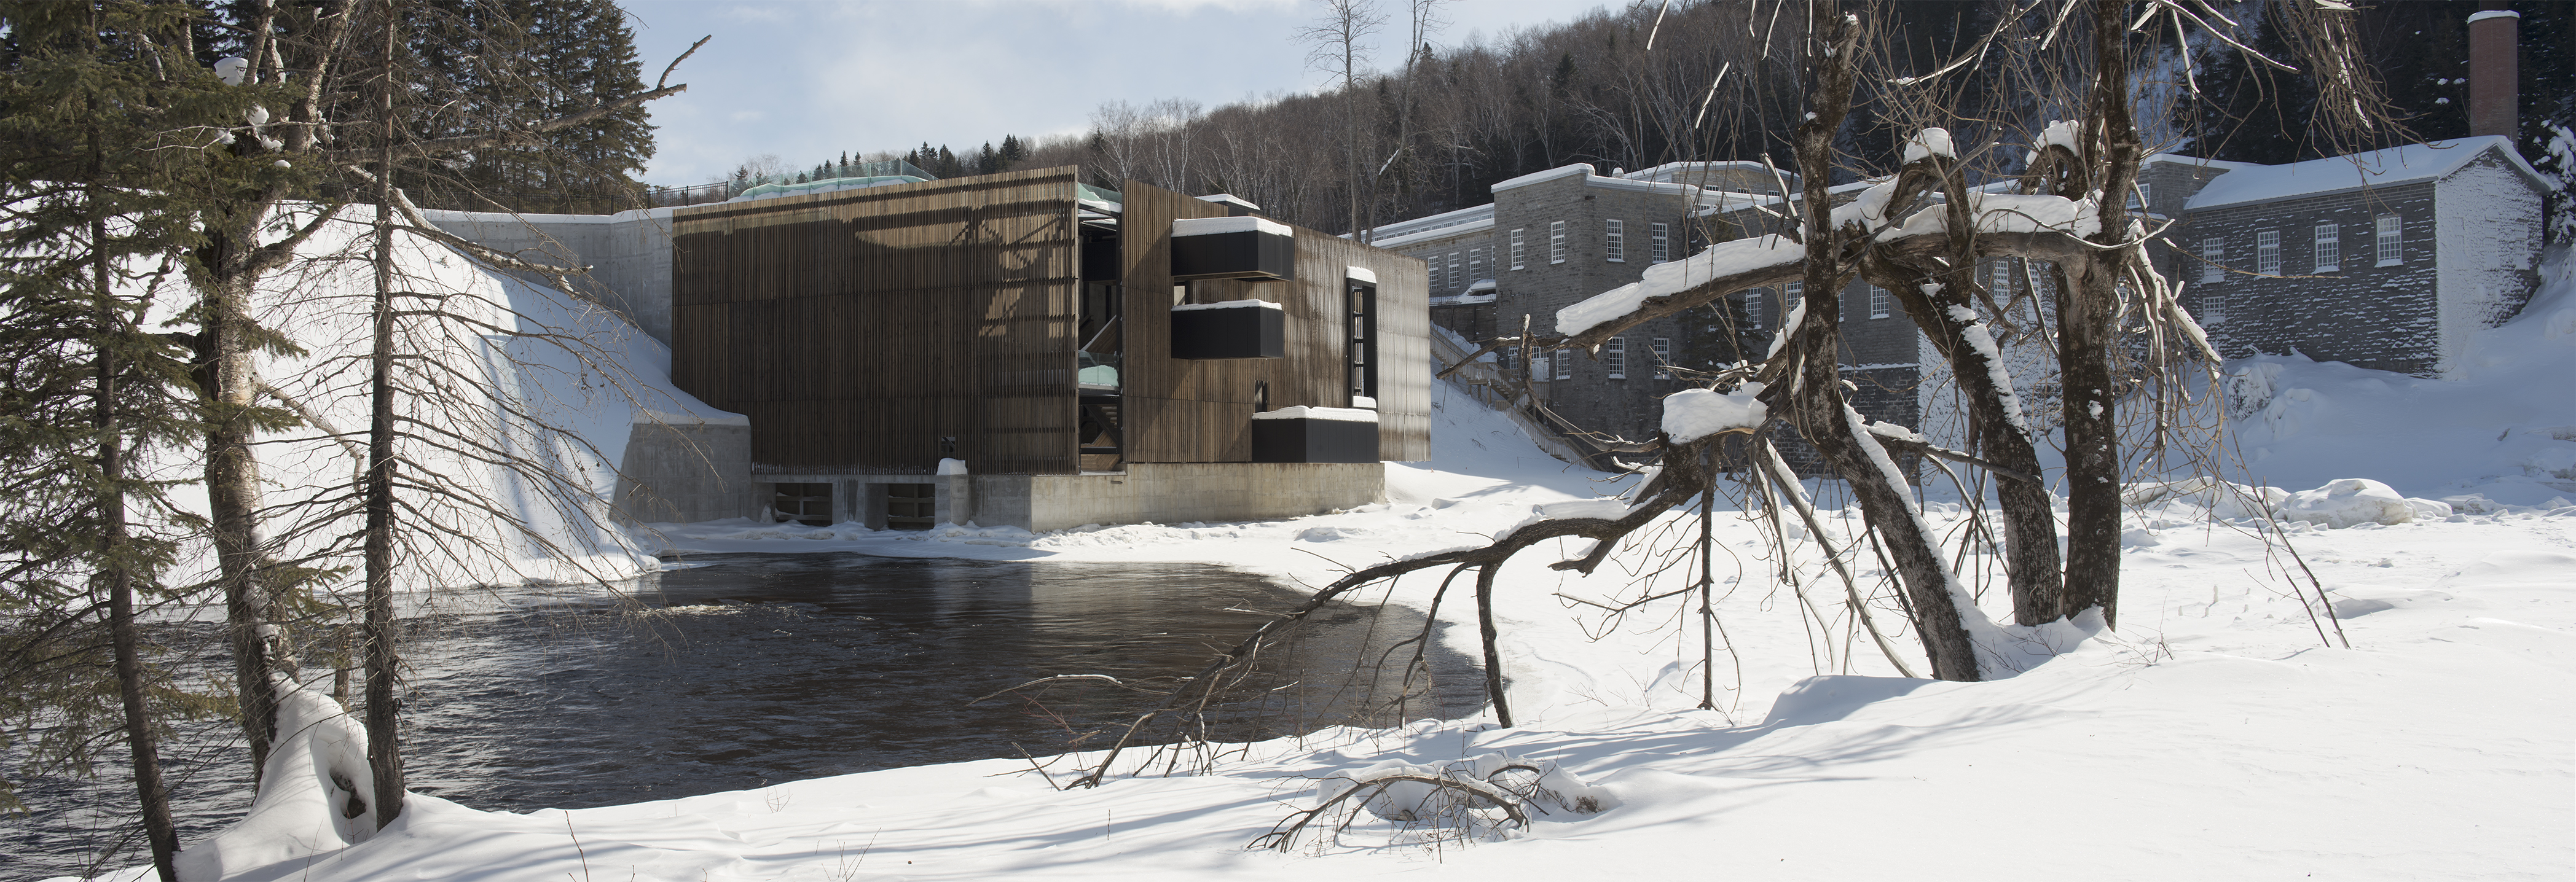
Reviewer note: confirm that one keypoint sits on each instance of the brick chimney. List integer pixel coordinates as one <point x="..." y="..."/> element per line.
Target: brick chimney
<point x="2494" y="75"/>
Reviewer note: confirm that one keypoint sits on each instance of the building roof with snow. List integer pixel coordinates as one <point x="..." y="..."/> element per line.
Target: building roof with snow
<point x="2411" y="163"/>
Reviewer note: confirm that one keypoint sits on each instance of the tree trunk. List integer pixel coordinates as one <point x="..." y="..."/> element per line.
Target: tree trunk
<point x="1493" y="655"/>
<point x="2029" y="517"/>
<point x="384" y="744"/>
<point x="1812" y="385"/>
<point x="228" y="379"/>
<point x="2087" y="322"/>
<point x="116" y="568"/>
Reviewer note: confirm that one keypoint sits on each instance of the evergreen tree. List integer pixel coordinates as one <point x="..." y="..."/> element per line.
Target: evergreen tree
<point x="103" y="115"/>
<point x="515" y="62"/>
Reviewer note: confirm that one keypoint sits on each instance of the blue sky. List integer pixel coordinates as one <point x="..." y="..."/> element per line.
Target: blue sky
<point x="808" y="80"/>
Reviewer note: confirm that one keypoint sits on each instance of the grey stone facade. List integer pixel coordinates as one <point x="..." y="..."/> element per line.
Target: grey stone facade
<point x="1480" y="291"/>
<point x="2295" y="258"/>
<point x="2463" y="255"/>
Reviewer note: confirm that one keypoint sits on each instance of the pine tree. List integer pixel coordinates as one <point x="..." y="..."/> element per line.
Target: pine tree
<point x="514" y="62"/>
<point x="102" y="114"/>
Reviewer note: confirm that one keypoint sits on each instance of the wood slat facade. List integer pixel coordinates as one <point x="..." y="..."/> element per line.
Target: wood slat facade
<point x="858" y="329"/>
<point x="1201" y="411"/>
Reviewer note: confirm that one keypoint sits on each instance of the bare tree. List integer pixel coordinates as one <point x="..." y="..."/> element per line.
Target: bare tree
<point x="1339" y="45"/>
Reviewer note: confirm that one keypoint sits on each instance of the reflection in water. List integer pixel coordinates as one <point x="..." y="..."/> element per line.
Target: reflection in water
<point x="766" y="668"/>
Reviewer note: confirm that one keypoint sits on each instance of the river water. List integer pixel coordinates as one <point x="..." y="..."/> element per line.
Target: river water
<point x="745" y="670"/>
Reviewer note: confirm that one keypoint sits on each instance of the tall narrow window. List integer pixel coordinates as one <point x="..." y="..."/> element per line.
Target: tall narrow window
<point x="2329" y="247"/>
<point x="1456" y="281"/>
<point x="2002" y="284"/>
<point x="1659" y="238"/>
<point x="1431" y="264"/>
<point x="1614" y="240"/>
<point x="1360" y="331"/>
<point x="2213" y="306"/>
<point x="1753" y="309"/>
<point x="2267" y="252"/>
<point x="2392" y="240"/>
<point x="1475" y="264"/>
<point x="1877" y="302"/>
<point x="1614" y="358"/>
<point x="1516" y="249"/>
<point x="1556" y="241"/>
<point x="1663" y="349"/>
<point x="2213" y="260"/>
<point x="2142" y="198"/>
<point x="1564" y="364"/>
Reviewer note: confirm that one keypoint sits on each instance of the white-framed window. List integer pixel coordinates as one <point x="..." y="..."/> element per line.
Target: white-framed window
<point x="2213" y="257"/>
<point x="1790" y="294"/>
<point x="2267" y="252"/>
<point x="1475" y="264"/>
<point x="1659" y="238"/>
<point x="1753" y="309"/>
<point x="2329" y="239"/>
<point x="1456" y="280"/>
<point x="2002" y="284"/>
<point x="1508" y="357"/>
<point x="1516" y="248"/>
<point x="1431" y="265"/>
<point x="1663" y="349"/>
<point x="1564" y="364"/>
<point x="1556" y="241"/>
<point x="1614" y="358"/>
<point x="2213" y="307"/>
<point x="2141" y="198"/>
<point x="1614" y="240"/>
<point x="1877" y="302"/>
<point x="2392" y="240"/>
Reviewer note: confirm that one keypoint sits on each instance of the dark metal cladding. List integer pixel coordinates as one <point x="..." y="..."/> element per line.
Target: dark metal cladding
<point x="1312" y="440"/>
<point x="1251" y="255"/>
<point x="1239" y="332"/>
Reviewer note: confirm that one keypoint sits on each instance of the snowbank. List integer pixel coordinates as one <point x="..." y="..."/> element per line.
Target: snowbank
<point x="2500" y="435"/>
<point x="2224" y="713"/>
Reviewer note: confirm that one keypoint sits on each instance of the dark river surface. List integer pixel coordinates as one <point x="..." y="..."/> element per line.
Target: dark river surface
<point x="754" y="669"/>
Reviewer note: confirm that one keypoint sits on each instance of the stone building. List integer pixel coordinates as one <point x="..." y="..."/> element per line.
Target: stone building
<point x="2388" y="260"/>
<point x="1555" y="237"/>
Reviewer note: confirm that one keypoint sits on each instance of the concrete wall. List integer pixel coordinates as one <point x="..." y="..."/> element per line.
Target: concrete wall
<point x="629" y="254"/>
<point x="680" y="473"/>
<point x="1160" y="492"/>
<point x="1178" y="492"/>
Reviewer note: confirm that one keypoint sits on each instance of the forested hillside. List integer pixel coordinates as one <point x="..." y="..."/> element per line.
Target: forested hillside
<point x="1430" y="132"/>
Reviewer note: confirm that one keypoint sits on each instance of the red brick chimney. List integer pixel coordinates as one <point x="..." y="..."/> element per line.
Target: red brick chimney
<point x="2494" y="76"/>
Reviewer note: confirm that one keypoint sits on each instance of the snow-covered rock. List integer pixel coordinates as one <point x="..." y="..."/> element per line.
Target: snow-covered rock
<point x="2346" y="502"/>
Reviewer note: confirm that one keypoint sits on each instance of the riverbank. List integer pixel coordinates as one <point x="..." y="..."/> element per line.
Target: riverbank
<point x="2221" y="731"/>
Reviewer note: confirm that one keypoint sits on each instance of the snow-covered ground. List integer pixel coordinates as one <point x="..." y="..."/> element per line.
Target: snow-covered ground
<point x="2222" y="731"/>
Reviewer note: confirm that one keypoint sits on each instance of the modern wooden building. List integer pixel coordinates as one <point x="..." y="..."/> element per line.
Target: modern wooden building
<point x="1010" y="350"/>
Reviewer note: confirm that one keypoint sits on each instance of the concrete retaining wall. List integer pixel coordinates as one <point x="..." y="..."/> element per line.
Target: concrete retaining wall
<point x="1159" y="492"/>
<point x="681" y="473"/>
<point x="629" y="253"/>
